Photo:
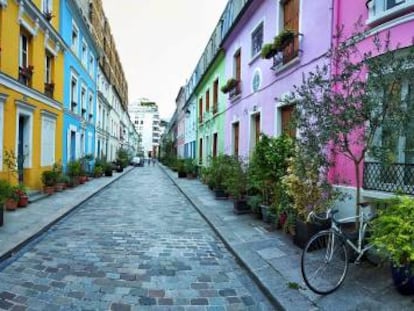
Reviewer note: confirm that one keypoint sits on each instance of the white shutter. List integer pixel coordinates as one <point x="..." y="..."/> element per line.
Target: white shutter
<point x="48" y="141"/>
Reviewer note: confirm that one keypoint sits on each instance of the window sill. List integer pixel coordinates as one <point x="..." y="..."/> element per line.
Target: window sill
<point x="254" y="58"/>
<point x="290" y="64"/>
<point x="387" y="15"/>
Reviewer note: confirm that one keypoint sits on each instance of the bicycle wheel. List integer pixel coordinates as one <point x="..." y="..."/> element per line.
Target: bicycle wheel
<point x="324" y="262"/>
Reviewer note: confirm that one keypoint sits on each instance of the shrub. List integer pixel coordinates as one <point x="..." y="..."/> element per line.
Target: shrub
<point x="49" y="178"/>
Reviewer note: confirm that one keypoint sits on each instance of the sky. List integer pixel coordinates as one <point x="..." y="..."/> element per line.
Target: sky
<point x="160" y="42"/>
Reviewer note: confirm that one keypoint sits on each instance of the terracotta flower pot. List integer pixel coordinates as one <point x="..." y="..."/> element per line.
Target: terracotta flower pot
<point x="23" y="201"/>
<point x="49" y="190"/>
<point x="10" y="204"/>
<point x="59" y="187"/>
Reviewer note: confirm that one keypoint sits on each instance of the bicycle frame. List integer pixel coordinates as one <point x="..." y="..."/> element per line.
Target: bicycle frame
<point x="362" y="226"/>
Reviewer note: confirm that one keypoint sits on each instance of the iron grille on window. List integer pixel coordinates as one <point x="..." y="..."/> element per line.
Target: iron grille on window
<point x="257" y="40"/>
<point x="397" y="177"/>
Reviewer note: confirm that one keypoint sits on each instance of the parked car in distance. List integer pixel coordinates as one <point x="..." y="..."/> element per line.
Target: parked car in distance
<point x="137" y="161"/>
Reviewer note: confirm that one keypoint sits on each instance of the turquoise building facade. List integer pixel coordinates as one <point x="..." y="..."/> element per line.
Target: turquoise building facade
<point x="80" y="72"/>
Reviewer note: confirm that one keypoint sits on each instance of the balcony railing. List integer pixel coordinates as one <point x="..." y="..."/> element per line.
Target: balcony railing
<point x="289" y="53"/>
<point x="49" y="88"/>
<point x="25" y="74"/>
<point x="397" y="177"/>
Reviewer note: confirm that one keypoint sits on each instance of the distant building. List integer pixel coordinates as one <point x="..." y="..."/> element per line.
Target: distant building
<point x="146" y="119"/>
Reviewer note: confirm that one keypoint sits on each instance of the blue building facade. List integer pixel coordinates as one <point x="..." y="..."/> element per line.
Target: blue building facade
<point x="80" y="94"/>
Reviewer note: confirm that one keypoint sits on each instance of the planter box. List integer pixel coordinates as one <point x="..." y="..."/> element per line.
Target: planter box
<point x="241" y="207"/>
<point x="182" y="174"/>
<point x="266" y="215"/>
<point x="305" y="230"/>
<point x="403" y="278"/>
<point x="221" y="194"/>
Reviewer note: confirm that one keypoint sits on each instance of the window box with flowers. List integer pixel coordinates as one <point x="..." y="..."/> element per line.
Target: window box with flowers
<point x="25" y="74"/>
<point x="49" y="88"/>
<point x="48" y="15"/>
<point x="232" y="87"/>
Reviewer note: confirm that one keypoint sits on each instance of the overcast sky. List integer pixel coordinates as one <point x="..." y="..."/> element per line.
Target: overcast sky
<point x="160" y="43"/>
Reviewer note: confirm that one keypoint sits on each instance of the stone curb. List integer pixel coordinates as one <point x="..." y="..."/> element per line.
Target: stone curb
<point x="256" y="278"/>
<point x="10" y="253"/>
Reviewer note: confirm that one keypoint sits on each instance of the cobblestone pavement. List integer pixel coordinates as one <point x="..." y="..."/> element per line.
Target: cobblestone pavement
<point x="138" y="245"/>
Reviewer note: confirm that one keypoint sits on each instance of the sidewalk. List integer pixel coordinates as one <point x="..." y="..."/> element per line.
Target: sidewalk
<point x="273" y="261"/>
<point x="24" y="224"/>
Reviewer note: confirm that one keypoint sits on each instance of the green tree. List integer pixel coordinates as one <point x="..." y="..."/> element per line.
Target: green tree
<point x="340" y="110"/>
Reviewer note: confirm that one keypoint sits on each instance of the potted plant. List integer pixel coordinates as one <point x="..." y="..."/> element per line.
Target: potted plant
<point x="190" y="168"/>
<point x="108" y="169"/>
<point x="49" y="181"/>
<point x="235" y="183"/>
<point x="218" y="171"/>
<point x="393" y="235"/>
<point x="181" y="171"/>
<point x="309" y="191"/>
<point x="21" y="191"/>
<point x="60" y="183"/>
<point x="266" y="169"/>
<point x="9" y="195"/>
<point x="73" y="171"/>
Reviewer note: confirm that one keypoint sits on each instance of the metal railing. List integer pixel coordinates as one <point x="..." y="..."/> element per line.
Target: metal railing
<point x="396" y="177"/>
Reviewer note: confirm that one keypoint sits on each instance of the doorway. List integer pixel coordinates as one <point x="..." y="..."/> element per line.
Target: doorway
<point x="23" y="143"/>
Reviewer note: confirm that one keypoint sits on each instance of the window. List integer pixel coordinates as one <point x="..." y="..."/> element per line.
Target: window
<point x="25" y="69"/>
<point x="287" y="127"/>
<point x="215" y="96"/>
<point x="47" y="6"/>
<point x="215" y="145"/>
<point x="254" y="131"/>
<point x="83" y="101"/>
<point x="84" y="53"/>
<point x="90" y="106"/>
<point x="73" y="94"/>
<point x="237" y="65"/>
<point x="291" y="21"/>
<point x="382" y="10"/>
<point x="257" y="40"/>
<point x="75" y="38"/>
<point x="48" y="68"/>
<point x="49" y="85"/>
<point x="48" y="140"/>
<point x="200" y="110"/>
<point x="200" y="151"/>
<point x="208" y="101"/>
<point x="91" y="64"/>
<point x="236" y="139"/>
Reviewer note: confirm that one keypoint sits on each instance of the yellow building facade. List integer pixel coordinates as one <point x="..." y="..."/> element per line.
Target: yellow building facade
<point x="31" y="88"/>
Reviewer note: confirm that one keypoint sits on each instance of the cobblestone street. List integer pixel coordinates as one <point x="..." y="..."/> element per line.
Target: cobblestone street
<point x="138" y="245"/>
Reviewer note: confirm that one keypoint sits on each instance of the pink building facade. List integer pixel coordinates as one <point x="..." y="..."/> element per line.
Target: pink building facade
<point x="254" y="106"/>
<point x="379" y="17"/>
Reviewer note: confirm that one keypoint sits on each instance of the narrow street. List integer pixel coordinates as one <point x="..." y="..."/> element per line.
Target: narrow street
<point x="138" y="245"/>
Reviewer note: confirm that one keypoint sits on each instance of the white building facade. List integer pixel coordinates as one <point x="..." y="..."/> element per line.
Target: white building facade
<point x="146" y="119"/>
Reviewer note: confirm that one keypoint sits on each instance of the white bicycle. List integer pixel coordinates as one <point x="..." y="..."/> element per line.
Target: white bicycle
<point x="325" y="258"/>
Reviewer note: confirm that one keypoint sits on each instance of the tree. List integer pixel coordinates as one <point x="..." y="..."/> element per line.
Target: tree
<point x="352" y="104"/>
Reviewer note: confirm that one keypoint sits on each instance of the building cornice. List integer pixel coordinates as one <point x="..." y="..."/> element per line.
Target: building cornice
<point x="40" y="22"/>
<point x="15" y="85"/>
